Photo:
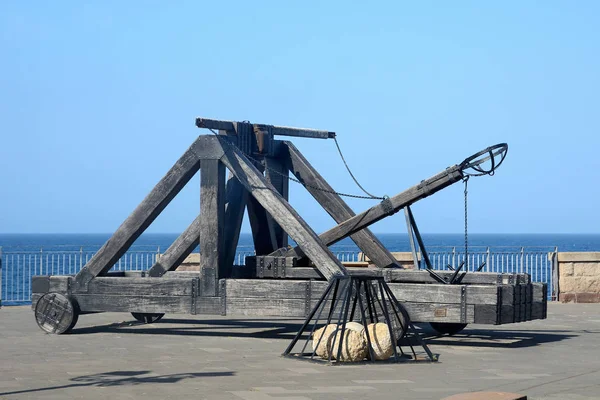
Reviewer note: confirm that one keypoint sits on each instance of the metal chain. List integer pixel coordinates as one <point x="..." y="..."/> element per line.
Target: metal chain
<point x="466" y="180"/>
<point x="286" y="176"/>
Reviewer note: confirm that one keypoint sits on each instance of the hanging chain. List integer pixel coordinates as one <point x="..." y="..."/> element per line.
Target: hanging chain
<point x="286" y="176"/>
<point x="466" y="180"/>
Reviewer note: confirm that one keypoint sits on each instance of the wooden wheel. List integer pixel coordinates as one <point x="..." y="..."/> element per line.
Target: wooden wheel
<point x="56" y="313"/>
<point x="147" y="318"/>
<point x="446" y="328"/>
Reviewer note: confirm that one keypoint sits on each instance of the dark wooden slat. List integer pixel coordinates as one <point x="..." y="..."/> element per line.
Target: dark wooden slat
<point x="281" y="211"/>
<point x="277" y="130"/>
<point x="178" y="251"/>
<point x="335" y="206"/>
<point x="277" y="173"/>
<point x="146" y="286"/>
<point x="263" y="229"/>
<point x="378" y="212"/>
<point x="261" y="307"/>
<point x="234" y="214"/>
<point x="134" y="303"/>
<point x="212" y="218"/>
<point x="142" y="216"/>
<point x="267" y="288"/>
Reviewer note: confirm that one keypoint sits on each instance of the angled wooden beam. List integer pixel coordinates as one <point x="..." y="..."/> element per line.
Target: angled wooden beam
<point x="277" y="174"/>
<point x="212" y="224"/>
<point x="234" y="214"/>
<point x="335" y="206"/>
<point x="281" y="211"/>
<point x="178" y="251"/>
<point x="384" y="209"/>
<point x="145" y="213"/>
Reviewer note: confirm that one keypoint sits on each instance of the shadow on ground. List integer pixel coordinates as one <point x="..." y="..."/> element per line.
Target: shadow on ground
<point x="286" y="330"/>
<point x="122" y="378"/>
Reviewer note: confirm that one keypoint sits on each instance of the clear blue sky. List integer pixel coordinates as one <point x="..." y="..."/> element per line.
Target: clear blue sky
<point x="98" y="101"/>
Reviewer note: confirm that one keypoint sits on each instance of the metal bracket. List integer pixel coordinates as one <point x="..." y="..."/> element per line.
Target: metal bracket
<point x="463" y="304"/>
<point x="498" y="305"/>
<point x="307" y="298"/>
<point x="273" y="266"/>
<point x="388" y="275"/>
<point x="223" y="294"/>
<point x="195" y="287"/>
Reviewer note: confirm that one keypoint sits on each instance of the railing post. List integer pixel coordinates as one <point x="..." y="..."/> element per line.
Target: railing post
<point x="41" y="262"/>
<point x="487" y="259"/>
<point x="0" y="276"/>
<point x="554" y="281"/>
<point x="522" y="258"/>
<point x="80" y="258"/>
<point x="454" y="257"/>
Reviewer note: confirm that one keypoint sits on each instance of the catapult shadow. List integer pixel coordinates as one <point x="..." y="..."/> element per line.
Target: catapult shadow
<point x="122" y="378"/>
<point x="496" y="338"/>
<point x="273" y="329"/>
<point x="287" y="329"/>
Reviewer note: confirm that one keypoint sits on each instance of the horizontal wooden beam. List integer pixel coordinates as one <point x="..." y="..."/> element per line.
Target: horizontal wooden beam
<point x="386" y="208"/>
<point x="230" y="126"/>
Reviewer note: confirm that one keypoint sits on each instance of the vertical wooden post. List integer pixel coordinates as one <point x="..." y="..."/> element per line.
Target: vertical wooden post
<point x="262" y="225"/>
<point x="212" y="217"/>
<point x="277" y="174"/>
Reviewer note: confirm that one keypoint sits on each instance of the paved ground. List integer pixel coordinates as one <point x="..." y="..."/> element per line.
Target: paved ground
<point x="106" y="358"/>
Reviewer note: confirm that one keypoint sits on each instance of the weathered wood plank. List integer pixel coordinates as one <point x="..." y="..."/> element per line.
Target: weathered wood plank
<point x="487" y="314"/>
<point x="142" y="304"/>
<point x="261" y="307"/>
<point x="141" y="286"/>
<point x="281" y="212"/>
<point x="277" y="174"/>
<point x="178" y="251"/>
<point x="432" y="312"/>
<point x="212" y="218"/>
<point x="145" y="213"/>
<point x="335" y="206"/>
<point x="267" y="289"/>
<point x="380" y="211"/>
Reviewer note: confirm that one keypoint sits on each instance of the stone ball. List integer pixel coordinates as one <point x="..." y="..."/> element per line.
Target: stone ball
<point x="381" y="341"/>
<point x="353" y="347"/>
<point x="321" y="337"/>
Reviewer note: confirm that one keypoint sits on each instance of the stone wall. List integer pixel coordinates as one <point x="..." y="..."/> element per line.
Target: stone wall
<point x="579" y="277"/>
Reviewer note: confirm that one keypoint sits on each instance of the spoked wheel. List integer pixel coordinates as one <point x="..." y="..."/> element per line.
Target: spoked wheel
<point x="147" y="318"/>
<point x="56" y="313"/>
<point x="445" y="328"/>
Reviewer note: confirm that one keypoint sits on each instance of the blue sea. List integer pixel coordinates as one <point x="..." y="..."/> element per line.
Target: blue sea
<point x="393" y="241"/>
<point x="24" y="255"/>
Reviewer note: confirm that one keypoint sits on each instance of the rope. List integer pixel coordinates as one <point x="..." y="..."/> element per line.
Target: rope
<point x="306" y="185"/>
<point x="352" y="175"/>
<point x="466" y="180"/>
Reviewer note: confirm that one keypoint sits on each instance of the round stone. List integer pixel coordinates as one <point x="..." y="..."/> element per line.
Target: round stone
<point x="381" y="342"/>
<point x="321" y="338"/>
<point x="353" y="345"/>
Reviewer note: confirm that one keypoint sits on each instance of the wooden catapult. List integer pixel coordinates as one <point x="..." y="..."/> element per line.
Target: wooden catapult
<point x="280" y="280"/>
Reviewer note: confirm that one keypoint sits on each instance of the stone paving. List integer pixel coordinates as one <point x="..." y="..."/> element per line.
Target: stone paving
<point x="108" y="356"/>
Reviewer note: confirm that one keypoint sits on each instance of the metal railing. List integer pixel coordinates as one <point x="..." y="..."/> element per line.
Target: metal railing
<point x="17" y="267"/>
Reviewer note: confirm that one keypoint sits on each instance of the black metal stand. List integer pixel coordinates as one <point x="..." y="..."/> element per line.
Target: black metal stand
<point x="367" y="308"/>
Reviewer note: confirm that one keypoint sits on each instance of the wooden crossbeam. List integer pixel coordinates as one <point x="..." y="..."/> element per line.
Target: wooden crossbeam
<point x="281" y="211"/>
<point x="144" y="214"/>
<point x="276" y="130"/>
<point x="178" y="251"/>
<point x="335" y="206"/>
<point x="380" y="211"/>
